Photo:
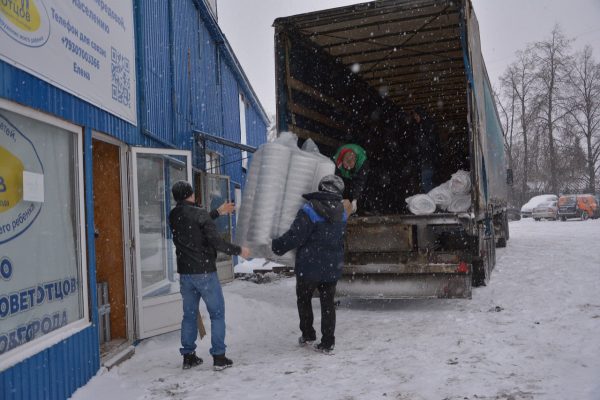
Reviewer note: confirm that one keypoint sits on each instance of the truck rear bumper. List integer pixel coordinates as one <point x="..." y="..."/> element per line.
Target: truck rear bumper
<point x="442" y="281"/>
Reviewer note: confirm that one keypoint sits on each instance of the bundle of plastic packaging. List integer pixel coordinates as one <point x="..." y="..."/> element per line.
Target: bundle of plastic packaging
<point x="441" y="195"/>
<point x="460" y="203"/>
<point x="452" y="196"/>
<point x="280" y="173"/>
<point x="421" y="204"/>
<point x="460" y="183"/>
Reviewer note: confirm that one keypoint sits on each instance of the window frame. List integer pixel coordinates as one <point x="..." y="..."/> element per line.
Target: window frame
<point x="42" y="343"/>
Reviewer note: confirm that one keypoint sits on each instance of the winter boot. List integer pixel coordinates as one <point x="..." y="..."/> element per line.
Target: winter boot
<point x="221" y="362"/>
<point x="303" y="341"/>
<point x="321" y="348"/>
<point x="191" y="360"/>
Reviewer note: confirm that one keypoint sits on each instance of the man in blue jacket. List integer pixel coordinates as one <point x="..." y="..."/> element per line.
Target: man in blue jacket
<point x="318" y="235"/>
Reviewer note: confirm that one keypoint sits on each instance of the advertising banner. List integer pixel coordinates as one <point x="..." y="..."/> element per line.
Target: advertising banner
<point x="85" y="47"/>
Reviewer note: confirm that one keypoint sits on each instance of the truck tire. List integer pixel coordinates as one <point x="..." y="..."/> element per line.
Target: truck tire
<point x="480" y="275"/>
<point x="504" y="235"/>
<point x="484" y="263"/>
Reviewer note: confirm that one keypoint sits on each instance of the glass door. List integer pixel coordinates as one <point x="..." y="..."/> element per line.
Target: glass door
<point x="158" y="302"/>
<point x="211" y="191"/>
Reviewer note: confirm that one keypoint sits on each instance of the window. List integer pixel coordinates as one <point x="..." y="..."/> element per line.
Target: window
<point x="213" y="162"/>
<point x="42" y="259"/>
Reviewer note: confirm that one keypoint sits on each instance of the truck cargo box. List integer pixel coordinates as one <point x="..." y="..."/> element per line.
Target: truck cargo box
<point x="353" y="75"/>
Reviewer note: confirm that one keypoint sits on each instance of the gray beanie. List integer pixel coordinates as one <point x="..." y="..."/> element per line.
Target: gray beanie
<point x="332" y="184"/>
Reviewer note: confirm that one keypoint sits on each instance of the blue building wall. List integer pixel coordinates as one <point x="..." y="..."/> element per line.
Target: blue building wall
<point x="188" y="79"/>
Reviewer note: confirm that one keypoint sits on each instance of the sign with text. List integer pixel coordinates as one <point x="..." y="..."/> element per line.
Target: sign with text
<point x="40" y="231"/>
<point x="85" y="47"/>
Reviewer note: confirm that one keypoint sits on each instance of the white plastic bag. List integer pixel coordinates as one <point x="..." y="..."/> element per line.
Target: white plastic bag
<point x="460" y="183"/>
<point x="441" y="195"/>
<point x="421" y="204"/>
<point x="460" y="203"/>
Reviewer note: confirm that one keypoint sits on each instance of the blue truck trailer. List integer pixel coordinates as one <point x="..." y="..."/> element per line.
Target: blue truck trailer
<point x="353" y="75"/>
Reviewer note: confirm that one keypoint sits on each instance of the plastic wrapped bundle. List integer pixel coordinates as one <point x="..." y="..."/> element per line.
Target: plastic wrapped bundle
<point x="263" y="193"/>
<point x="442" y="196"/>
<point x="460" y="203"/>
<point x="243" y="214"/>
<point x="460" y="183"/>
<point x="305" y="172"/>
<point x="268" y="197"/>
<point x="280" y="173"/>
<point x="421" y="204"/>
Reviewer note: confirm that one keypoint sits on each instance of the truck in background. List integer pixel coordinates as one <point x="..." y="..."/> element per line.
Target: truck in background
<point x="351" y="75"/>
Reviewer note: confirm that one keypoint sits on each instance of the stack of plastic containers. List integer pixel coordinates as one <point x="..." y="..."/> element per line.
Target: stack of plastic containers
<point x="280" y="173"/>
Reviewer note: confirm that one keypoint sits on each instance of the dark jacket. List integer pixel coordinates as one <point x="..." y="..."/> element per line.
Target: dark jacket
<point x="426" y="141"/>
<point x="196" y="239"/>
<point x="354" y="186"/>
<point x="318" y="235"/>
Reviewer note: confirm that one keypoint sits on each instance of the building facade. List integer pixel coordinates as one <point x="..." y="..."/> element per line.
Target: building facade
<point x="103" y="105"/>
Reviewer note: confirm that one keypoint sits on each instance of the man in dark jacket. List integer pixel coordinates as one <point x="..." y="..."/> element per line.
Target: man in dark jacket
<point x="196" y="242"/>
<point x="317" y="234"/>
<point x="426" y="146"/>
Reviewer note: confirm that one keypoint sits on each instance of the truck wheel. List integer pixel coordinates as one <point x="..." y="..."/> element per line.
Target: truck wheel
<point x="485" y="262"/>
<point x="481" y="274"/>
<point x="503" y="234"/>
<point x="563" y="219"/>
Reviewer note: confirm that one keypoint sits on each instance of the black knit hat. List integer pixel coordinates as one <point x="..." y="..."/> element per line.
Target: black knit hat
<point x="332" y="184"/>
<point x="181" y="190"/>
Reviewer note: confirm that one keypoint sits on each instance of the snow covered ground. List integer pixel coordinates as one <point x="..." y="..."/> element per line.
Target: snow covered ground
<point x="533" y="333"/>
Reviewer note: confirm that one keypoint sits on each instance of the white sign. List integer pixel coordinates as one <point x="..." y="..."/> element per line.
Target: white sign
<point x="33" y="187"/>
<point x="85" y="47"/>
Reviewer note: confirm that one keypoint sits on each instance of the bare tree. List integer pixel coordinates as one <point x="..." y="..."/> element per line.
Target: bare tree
<point x="519" y="81"/>
<point x="551" y="58"/>
<point x="584" y="79"/>
<point x="507" y="112"/>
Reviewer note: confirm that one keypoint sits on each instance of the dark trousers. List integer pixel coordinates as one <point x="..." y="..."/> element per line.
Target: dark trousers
<point x="304" y="292"/>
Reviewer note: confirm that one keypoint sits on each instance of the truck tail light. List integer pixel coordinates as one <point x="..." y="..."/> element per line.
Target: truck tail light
<point x="462" y="268"/>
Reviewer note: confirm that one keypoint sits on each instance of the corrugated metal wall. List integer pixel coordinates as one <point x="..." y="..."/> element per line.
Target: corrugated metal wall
<point x="191" y="85"/>
<point x="56" y="372"/>
<point x="154" y="69"/>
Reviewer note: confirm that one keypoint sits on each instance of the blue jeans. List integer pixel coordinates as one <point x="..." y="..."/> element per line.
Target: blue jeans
<point x="207" y="287"/>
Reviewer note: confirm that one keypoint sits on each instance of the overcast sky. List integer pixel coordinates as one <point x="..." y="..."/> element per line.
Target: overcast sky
<point x="505" y="27"/>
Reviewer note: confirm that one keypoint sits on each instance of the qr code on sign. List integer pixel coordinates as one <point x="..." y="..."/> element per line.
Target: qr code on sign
<point x="121" y="82"/>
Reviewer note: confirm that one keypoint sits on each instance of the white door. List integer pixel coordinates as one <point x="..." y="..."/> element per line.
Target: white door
<point x="158" y="301"/>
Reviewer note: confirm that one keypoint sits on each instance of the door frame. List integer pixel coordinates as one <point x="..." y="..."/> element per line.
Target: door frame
<point x="165" y="300"/>
<point x="127" y="220"/>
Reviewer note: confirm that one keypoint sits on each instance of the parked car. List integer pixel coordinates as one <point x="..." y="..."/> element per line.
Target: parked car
<point x="581" y="206"/>
<point x="597" y="213"/>
<point x="547" y="210"/>
<point x="528" y="207"/>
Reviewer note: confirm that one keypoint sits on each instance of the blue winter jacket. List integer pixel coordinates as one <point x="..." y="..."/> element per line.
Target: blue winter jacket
<point x="318" y="235"/>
